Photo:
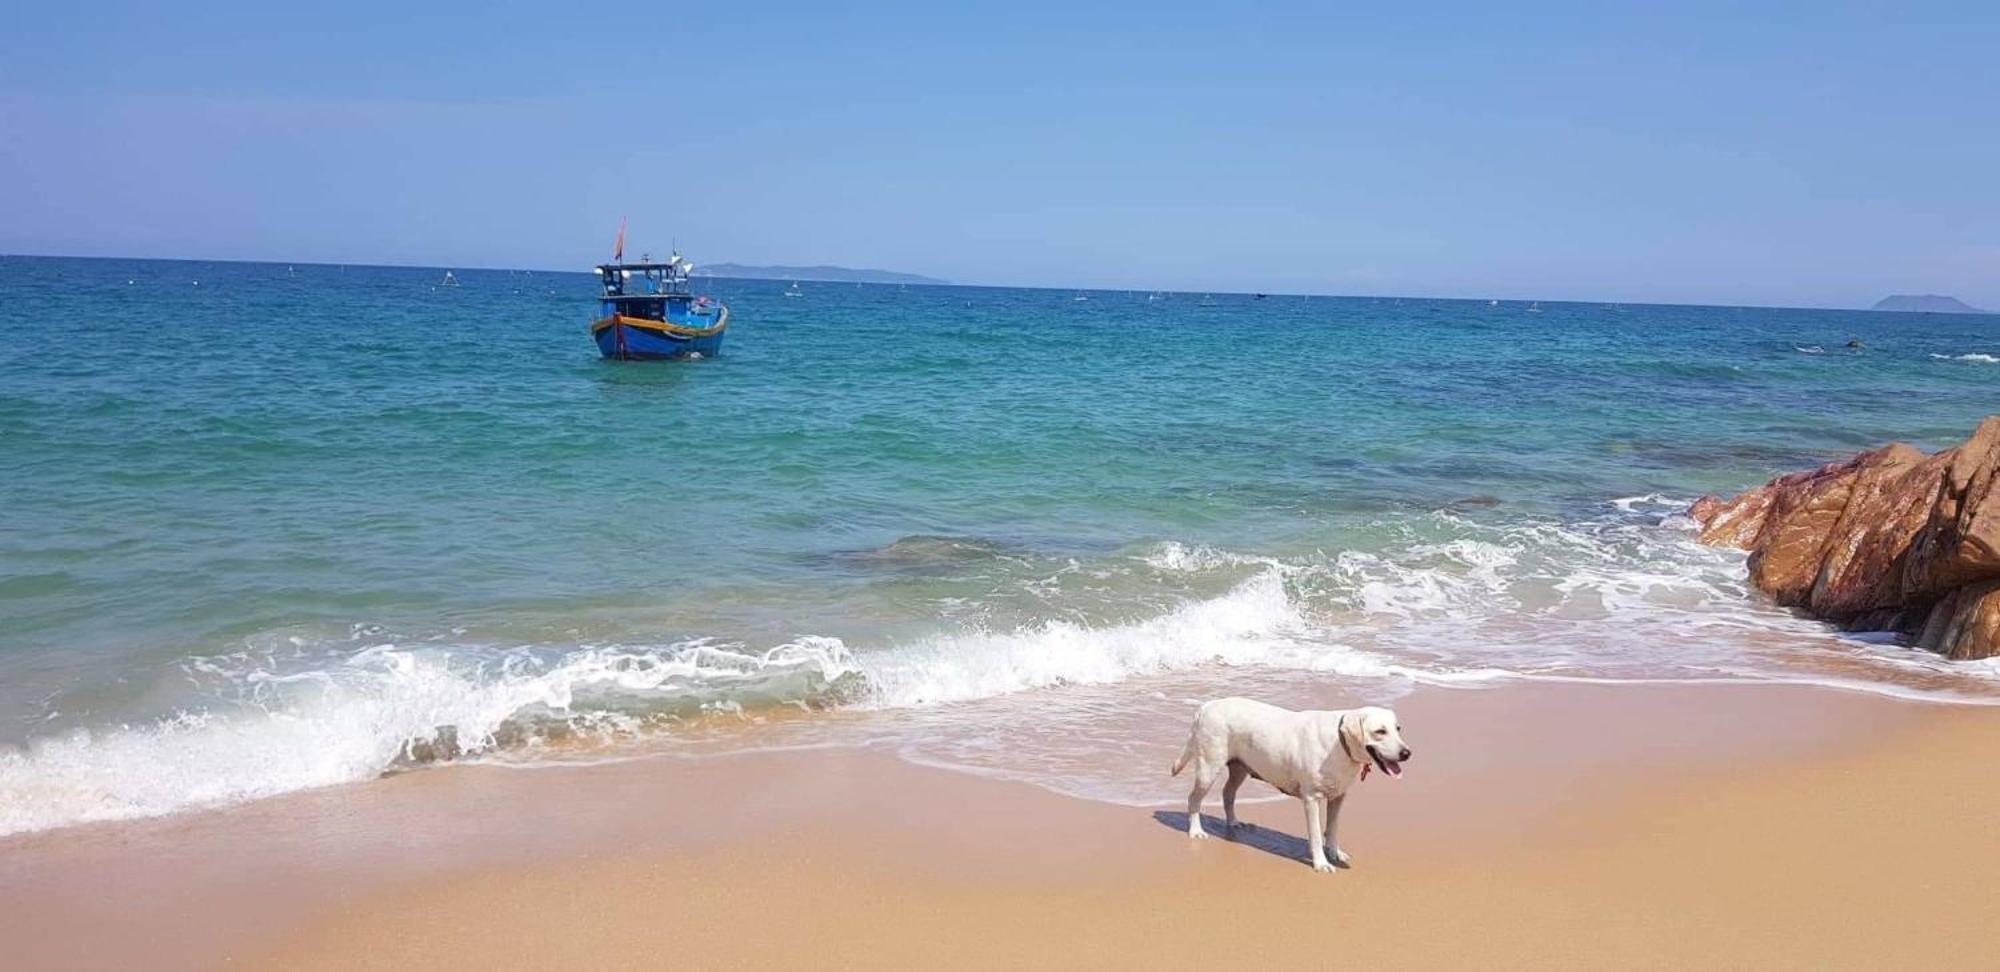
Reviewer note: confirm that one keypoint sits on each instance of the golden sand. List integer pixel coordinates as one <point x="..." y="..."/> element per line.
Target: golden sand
<point x="1539" y="826"/>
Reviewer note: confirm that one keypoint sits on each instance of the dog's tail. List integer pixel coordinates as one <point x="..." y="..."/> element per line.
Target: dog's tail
<point x="1187" y="753"/>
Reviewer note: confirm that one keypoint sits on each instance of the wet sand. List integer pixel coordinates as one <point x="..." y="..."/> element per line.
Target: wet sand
<point x="1538" y="825"/>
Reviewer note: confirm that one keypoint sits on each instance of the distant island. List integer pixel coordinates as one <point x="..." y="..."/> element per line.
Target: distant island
<point x="1925" y="304"/>
<point x="822" y="273"/>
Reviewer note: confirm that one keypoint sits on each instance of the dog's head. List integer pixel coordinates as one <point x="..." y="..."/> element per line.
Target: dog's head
<point x="1374" y="734"/>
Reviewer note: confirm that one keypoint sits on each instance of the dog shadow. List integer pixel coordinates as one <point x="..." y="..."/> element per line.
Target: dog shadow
<point x="1273" y="842"/>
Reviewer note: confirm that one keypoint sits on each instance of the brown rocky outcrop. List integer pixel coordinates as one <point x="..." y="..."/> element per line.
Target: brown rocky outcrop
<point x="1888" y="539"/>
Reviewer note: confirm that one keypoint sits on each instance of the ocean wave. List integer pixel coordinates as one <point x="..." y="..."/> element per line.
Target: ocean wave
<point x="1972" y="356"/>
<point x="381" y="707"/>
<point x="1256" y="623"/>
<point x="1440" y="598"/>
<point x="1651" y="502"/>
<point x="301" y="720"/>
<point x="1175" y="557"/>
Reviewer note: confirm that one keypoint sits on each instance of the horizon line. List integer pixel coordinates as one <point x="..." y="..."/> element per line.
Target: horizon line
<point x="1976" y="312"/>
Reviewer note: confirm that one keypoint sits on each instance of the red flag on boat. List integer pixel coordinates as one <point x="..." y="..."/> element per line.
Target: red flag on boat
<point x="618" y="252"/>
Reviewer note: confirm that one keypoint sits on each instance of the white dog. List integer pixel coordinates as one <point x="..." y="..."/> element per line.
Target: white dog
<point x="1315" y="756"/>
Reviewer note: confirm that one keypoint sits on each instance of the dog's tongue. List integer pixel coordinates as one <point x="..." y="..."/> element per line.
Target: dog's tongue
<point x="1395" y="770"/>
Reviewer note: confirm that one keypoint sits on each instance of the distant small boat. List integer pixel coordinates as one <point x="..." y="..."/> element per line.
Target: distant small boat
<point x="1259" y="296"/>
<point x="795" y="291"/>
<point x="649" y="313"/>
<point x="1080" y="297"/>
<point x="449" y="280"/>
<point x="1208" y="300"/>
<point x="1535" y="308"/>
<point x="1492" y="303"/>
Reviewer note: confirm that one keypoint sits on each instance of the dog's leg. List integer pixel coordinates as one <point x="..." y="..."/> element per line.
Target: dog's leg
<point x="1237" y="774"/>
<point x="1316" y="831"/>
<point x="1333" y="825"/>
<point x="1204" y="779"/>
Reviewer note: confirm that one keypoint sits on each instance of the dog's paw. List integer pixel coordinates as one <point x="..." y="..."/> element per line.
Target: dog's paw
<point x="1198" y="834"/>
<point x="1341" y="858"/>
<point x="1323" y="867"/>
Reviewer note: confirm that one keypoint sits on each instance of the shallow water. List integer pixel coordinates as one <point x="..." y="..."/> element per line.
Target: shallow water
<point x="264" y="529"/>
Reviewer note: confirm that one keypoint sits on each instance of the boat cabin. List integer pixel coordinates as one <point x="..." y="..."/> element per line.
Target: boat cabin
<point x="648" y="289"/>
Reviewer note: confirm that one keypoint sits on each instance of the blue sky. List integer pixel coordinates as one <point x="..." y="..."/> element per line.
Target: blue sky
<point x="1810" y="154"/>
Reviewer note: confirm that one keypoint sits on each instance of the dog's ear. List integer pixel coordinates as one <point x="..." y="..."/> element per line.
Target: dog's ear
<point x="1354" y="726"/>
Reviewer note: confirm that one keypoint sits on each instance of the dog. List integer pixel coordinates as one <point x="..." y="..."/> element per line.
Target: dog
<point x="1315" y="756"/>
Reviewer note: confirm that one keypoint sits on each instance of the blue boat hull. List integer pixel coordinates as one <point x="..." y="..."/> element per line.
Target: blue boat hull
<point x="637" y="339"/>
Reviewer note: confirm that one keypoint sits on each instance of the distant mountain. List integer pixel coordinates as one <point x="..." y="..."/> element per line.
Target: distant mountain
<point x="826" y="274"/>
<point x="1926" y="304"/>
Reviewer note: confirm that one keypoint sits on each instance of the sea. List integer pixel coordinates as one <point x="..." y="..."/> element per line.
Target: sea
<point x="266" y="528"/>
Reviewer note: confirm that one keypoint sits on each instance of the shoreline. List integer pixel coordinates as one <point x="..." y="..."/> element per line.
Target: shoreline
<point x="1528" y="808"/>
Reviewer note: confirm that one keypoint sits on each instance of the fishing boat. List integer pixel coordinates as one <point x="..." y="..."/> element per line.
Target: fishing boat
<point x="649" y="314"/>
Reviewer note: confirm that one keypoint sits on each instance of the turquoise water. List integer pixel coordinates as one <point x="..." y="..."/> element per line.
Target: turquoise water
<point x="266" y="527"/>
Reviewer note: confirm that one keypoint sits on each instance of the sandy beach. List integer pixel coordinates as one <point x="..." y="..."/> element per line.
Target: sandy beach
<point x="1539" y="825"/>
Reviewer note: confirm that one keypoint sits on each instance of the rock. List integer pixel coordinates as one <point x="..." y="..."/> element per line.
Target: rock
<point x="1891" y="537"/>
<point x="1961" y="542"/>
<point x="1889" y="500"/>
<point x="1797" y="527"/>
<point x="1734" y="523"/>
<point x="1966" y="624"/>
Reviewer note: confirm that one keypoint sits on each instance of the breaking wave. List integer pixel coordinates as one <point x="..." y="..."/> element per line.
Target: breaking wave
<point x="380" y="708"/>
<point x="1621" y="595"/>
<point x="1974" y="356"/>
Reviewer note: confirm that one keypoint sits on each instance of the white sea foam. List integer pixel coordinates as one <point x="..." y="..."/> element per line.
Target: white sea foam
<point x="356" y="719"/>
<point x="1176" y="557"/>
<point x="1974" y="356"/>
<point x="1254" y="624"/>
<point x="1809" y="349"/>
<point x="1651" y="503"/>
